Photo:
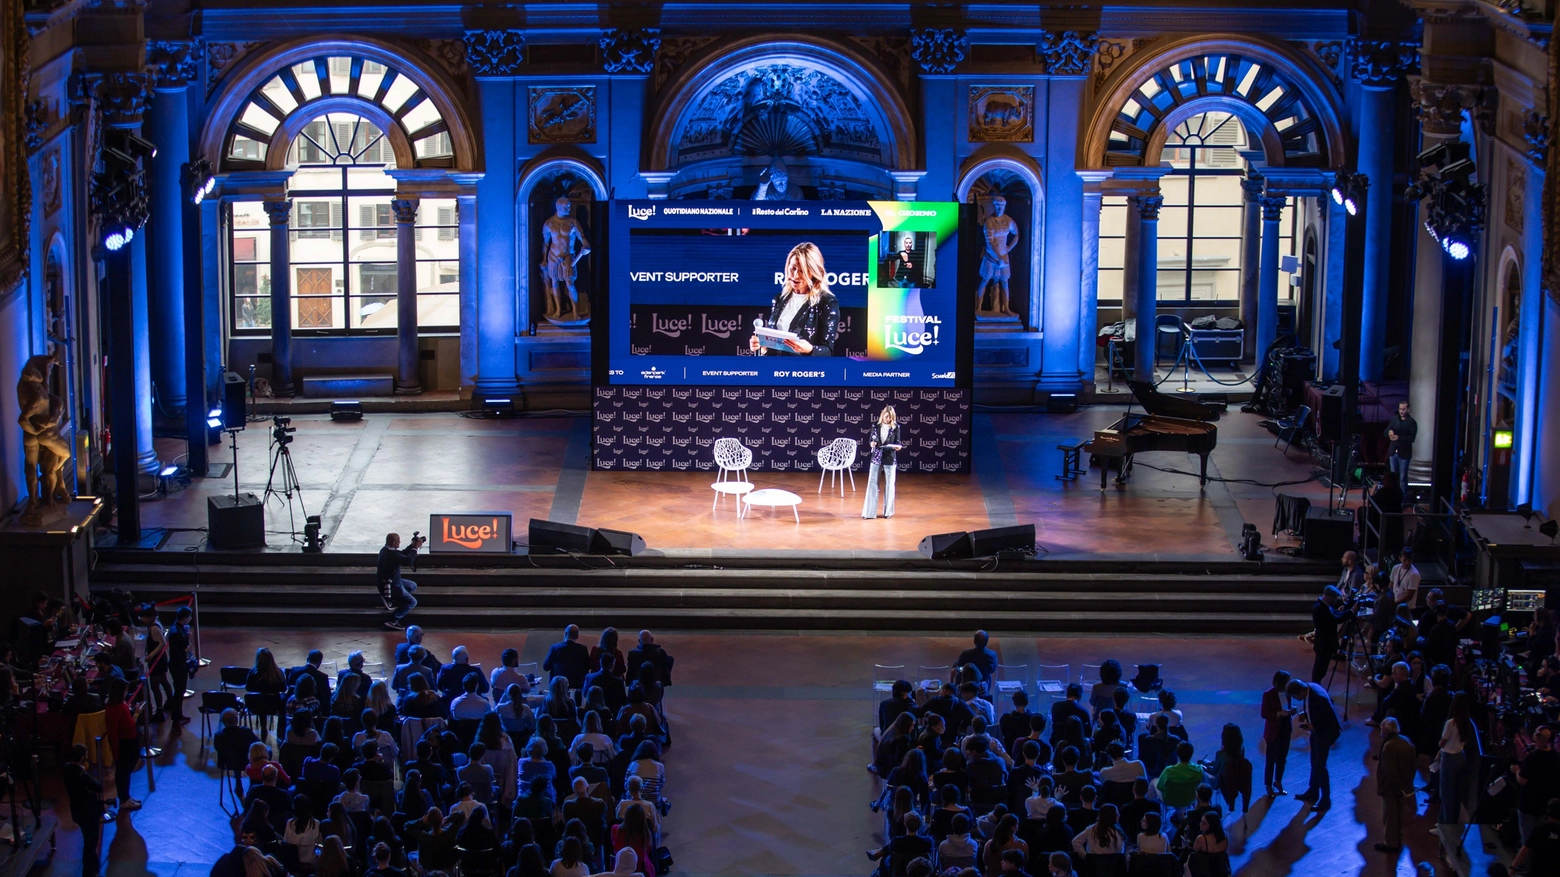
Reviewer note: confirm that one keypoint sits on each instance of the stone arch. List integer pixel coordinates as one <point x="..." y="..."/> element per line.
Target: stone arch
<point x="224" y="112"/>
<point x="783" y="95"/>
<point x="1282" y="99"/>
<point x="562" y="172"/>
<point x="998" y="161"/>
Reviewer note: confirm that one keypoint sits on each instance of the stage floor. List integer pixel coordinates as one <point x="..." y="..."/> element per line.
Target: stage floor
<point x="389" y="472"/>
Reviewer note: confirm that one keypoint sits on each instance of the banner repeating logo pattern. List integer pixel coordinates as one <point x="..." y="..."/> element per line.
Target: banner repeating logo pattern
<point x="675" y="428"/>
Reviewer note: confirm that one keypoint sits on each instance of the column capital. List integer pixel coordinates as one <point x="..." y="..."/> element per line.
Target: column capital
<point x="1148" y="206"/>
<point x="629" y="50"/>
<point x="1252" y="186"/>
<point x="939" y="50"/>
<point x="175" y="63"/>
<point x="495" y="52"/>
<point x="1380" y="63"/>
<point x="1273" y="207"/>
<point x="405" y="209"/>
<point x="280" y="212"/>
<point x="123" y="96"/>
<point x="1535" y="130"/>
<point x="1439" y="108"/>
<point x="1068" y="52"/>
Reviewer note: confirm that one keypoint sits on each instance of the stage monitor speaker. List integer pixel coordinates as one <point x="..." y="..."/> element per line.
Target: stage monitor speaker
<point x="235" y="524"/>
<point x="234" y="411"/>
<point x="1327" y="534"/>
<point x="551" y="537"/>
<point x="604" y="541"/>
<point x="1061" y="403"/>
<point x="1002" y="540"/>
<point x="948" y="546"/>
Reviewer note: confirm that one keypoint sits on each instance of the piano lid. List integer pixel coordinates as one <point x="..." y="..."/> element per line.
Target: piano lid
<point x="1165" y="405"/>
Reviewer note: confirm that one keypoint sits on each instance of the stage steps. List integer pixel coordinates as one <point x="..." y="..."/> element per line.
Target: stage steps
<point x="738" y="593"/>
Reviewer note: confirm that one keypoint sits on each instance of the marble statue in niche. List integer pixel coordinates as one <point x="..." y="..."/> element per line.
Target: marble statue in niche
<point x="999" y="233"/>
<point x="44" y="445"/>
<point x="563" y="246"/>
<point x="775" y="184"/>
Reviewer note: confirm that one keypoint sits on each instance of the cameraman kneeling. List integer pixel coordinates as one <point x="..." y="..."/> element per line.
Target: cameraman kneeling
<point x="397" y="591"/>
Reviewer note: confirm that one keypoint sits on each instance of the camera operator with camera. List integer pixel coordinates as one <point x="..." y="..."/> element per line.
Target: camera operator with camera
<point x="1326" y="615"/>
<point x="395" y="590"/>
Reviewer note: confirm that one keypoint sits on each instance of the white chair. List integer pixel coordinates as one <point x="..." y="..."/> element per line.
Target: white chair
<point x="1010" y="678"/>
<point x="835" y="457"/>
<point x="1053" y="684"/>
<point x="883" y="678"/>
<point x="733" y="457"/>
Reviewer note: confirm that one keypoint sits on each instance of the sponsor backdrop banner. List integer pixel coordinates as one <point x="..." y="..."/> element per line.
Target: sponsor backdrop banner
<point x="675" y="428"/>
<point x="688" y="279"/>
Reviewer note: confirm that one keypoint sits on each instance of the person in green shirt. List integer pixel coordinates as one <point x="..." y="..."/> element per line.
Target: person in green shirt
<point x="1178" y="783"/>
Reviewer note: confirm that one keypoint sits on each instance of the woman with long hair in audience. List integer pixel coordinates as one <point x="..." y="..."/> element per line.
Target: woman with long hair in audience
<point x="1167" y="708"/>
<point x="1459" y="746"/>
<point x="952" y="772"/>
<point x="596" y="705"/>
<point x="303" y="697"/>
<point x="259" y="760"/>
<point x="500" y="755"/>
<point x="570" y="860"/>
<point x="347" y="705"/>
<point x="648" y="767"/>
<point x="1069" y="733"/>
<point x="515" y="715"/>
<point x="633" y="833"/>
<point x="1103" y="838"/>
<point x="893" y="745"/>
<point x="589" y="855"/>
<point x="604" y="749"/>
<point x="1210" y="849"/>
<point x="650" y="681"/>
<point x="950" y="806"/>
<point x="337" y="823"/>
<point x="300" y="728"/>
<point x="478" y="833"/>
<point x="266" y="678"/>
<point x="911" y="773"/>
<point x="302" y="832"/>
<point x="335" y="732"/>
<point x="902" y="804"/>
<point x="608" y="644"/>
<point x="258" y="864"/>
<point x="256" y="828"/>
<point x="558" y="704"/>
<point x="1108" y="732"/>
<point x="414" y="799"/>
<point x="422" y="702"/>
<point x="383" y="705"/>
<point x="530" y="863"/>
<point x="333" y="861"/>
<point x="1003" y="838"/>
<point x="384" y="833"/>
<point x="1231" y="771"/>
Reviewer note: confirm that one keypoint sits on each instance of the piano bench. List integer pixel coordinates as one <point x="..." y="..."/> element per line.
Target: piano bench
<point x="1072" y="460"/>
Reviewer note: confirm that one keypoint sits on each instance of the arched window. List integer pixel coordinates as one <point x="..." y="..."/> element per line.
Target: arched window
<point x="332" y="79"/>
<point x="1201" y="222"/>
<point x="342" y="247"/>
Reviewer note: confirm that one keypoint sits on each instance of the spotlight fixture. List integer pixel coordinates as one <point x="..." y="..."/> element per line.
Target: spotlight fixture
<point x="1348" y="190"/>
<point x="346" y="410"/>
<point x="198" y="179"/>
<point x="497" y="406"/>
<point x="119" y="198"/>
<point x="1453" y="203"/>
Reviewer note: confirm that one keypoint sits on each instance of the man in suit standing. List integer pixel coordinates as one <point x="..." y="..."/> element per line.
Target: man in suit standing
<point x="1325" y="730"/>
<point x="1325" y="616"/>
<point x="86" y="808"/>
<point x="1394" y="783"/>
<point x="984" y="659"/>
<point x="569" y="659"/>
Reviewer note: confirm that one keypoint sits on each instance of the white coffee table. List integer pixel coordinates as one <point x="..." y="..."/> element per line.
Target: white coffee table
<point x="773" y="498"/>
<point x="729" y="488"/>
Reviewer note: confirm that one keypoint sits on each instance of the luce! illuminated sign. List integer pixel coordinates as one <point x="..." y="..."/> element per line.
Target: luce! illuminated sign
<point x="470" y="533"/>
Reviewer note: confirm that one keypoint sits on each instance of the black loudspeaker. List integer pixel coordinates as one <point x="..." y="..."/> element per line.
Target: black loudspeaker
<point x="234" y="412"/>
<point x="233" y="524"/>
<point x="1061" y="403"/>
<point x="1331" y="415"/>
<point x="949" y="546"/>
<point x="1327" y="534"/>
<point x="604" y="541"/>
<point x="1000" y="540"/>
<point x="551" y="537"/>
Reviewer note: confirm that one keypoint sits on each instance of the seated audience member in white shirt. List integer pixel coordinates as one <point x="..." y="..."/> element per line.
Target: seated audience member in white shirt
<point x="1152" y="840"/>
<point x="508" y="673"/>
<point x="1122" y="769"/>
<point x="471" y="705"/>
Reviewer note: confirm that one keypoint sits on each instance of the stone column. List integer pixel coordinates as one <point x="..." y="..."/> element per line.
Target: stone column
<point x="1089" y="292"/>
<point x="495" y="58"/>
<point x="1069" y="58"/>
<point x="1440" y="121"/>
<point x="1267" y="286"/>
<point x="406" y="380"/>
<point x="1250" y="260"/>
<point x="1334" y="262"/>
<point x="1530" y="337"/>
<point x="173" y="65"/>
<point x="280" y="213"/>
<point x="466" y="213"/>
<point x="1377" y="65"/>
<point x="1148" y="283"/>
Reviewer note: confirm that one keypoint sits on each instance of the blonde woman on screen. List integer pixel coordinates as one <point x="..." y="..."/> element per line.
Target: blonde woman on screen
<point x="804" y="306"/>
<point x="884" y="443"/>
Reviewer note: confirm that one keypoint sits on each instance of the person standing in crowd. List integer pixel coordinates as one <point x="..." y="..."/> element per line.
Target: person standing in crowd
<point x="86" y="808"/>
<point x="156" y="657"/>
<point x="1276" y="731"/>
<point x="1352" y="579"/>
<point x="179" y="661"/>
<point x="1401" y="432"/>
<point x="1538" y="779"/>
<point x="984" y="659"/>
<point x="883" y="445"/>
<point x="1405" y="579"/>
<point x="120" y="724"/>
<point x="1325" y="730"/>
<point x="1325" y="616"/>
<point x="396" y="590"/>
<point x="1540" y="853"/>
<point x="1395" y="776"/>
<point x="569" y="659"/>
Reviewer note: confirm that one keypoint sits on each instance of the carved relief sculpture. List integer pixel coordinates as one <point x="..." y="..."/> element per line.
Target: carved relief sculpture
<point x="780" y="109"/>
<point x="1002" y="115"/>
<point x="495" y="52"/>
<point x="1068" y="52"/>
<point x="563" y="246"/>
<point x="939" y="50"/>
<point x="15" y="188"/>
<point x="629" y="51"/>
<point x="999" y="233"/>
<point x="44" y="444"/>
<point x="562" y="115"/>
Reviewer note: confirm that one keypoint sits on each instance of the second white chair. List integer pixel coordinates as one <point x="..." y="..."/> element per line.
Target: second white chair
<point x="836" y="457"/>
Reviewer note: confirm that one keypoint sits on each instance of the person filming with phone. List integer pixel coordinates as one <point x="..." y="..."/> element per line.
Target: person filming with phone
<point x="396" y="590"/>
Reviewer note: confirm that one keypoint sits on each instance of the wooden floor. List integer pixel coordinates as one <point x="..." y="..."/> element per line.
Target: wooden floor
<point x="389" y="472"/>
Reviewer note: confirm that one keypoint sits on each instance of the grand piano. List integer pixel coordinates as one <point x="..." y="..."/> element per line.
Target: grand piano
<point x="1167" y="423"/>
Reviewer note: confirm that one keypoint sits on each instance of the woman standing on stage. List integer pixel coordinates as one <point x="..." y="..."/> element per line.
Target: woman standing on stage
<point x="884" y="442"/>
<point x="804" y="306"/>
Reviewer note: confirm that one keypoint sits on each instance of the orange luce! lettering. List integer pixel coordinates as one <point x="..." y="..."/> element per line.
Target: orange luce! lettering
<point x="469" y="535"/>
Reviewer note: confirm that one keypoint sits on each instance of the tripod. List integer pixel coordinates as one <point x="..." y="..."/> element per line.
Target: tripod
<point x="1354" y="640"/>
<point x="281" y="461"/>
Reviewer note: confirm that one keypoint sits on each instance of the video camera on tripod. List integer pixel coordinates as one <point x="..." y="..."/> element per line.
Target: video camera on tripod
<point x="282" y="430"/>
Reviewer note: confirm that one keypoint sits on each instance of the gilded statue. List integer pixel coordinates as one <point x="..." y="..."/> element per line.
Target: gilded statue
<point x="43" y="420"/>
